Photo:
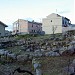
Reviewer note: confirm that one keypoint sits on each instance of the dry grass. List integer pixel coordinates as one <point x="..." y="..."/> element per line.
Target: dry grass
<point x="55" y="65"/>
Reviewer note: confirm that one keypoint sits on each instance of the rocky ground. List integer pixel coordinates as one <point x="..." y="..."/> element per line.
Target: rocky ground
<point x="55" y="55"/>
<point x="50" y="66"/>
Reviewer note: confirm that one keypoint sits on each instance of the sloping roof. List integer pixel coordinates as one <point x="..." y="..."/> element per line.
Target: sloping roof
<point x="53" y="15"/>
<point x="28" y="21"/>
<point x="35" y="22"/>
<point x="67" y="19"/>
<point x="3" y="24"/>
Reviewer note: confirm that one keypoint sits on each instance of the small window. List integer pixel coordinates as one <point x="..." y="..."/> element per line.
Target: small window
<point x="51" y="20"/>
<point x="13" y="30"/>
<point x="17" y="30"/>
<point x="32" y="30"/>
<point x="32" y="25"/>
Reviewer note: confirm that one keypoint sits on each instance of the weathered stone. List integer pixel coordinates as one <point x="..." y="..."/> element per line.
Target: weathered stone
<point x="22" y="58"/>
<point x="51" y="53"/>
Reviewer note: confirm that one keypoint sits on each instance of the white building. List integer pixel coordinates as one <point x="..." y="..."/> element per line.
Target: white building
<point x="55" y="23"/>
<point x="26" y="27"/>
<point x="2" y="28"/>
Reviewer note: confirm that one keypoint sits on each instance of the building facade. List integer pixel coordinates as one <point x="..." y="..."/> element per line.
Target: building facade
<point x="8" y="33"/>
<point x="26" y="27"/>
<point x="55" y="23"/>
<point x="2" y="28"/>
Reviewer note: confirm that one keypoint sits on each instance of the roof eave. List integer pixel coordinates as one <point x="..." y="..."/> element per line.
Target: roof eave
<point x="3" y="24"/>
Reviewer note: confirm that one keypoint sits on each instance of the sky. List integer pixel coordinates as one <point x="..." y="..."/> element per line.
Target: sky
<point x="11" y="10"/>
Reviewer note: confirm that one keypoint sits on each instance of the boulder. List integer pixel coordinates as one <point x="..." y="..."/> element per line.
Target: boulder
<point x="73" y="61"/>
<point x="51" y="53"/>
<point x="22" y="58"/>
<point x="13" y="56"/>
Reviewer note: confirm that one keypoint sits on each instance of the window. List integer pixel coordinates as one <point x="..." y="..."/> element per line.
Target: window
<point x="0" y="34"/>
<point x="14" y="31"/>
<point x="32" y="25"/>
<point x="32" y="30"/>
<point x="51" y="20"/>
<point x="17" y="30"/>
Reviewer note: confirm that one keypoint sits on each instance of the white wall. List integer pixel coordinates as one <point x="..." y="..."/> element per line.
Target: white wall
<point x="52" y="21"/>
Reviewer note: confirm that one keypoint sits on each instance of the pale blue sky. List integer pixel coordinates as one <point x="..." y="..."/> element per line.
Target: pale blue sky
<point x="11" y="10"/>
